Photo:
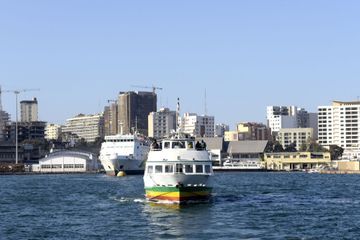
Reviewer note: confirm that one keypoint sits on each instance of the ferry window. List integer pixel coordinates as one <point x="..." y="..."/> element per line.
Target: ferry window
<point x="199" y="168"/>
<point x="190" y="145"/>
<point x="207" y="168"/>
<point x="150" y="169"/>
<point x="167" y="145"/>
<point x="169" y="168"/>
<point x="188" y="168"/>
<point x="178" y="145"/>
<point x="179" y="168"/>
<point x="158" y="169"/>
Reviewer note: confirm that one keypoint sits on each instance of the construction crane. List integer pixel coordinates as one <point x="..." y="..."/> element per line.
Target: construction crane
<point x="17" y="92"/>
<point x="152" y="87"/>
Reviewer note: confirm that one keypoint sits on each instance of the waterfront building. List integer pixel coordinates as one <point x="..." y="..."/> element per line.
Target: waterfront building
<point x="161" y="123"/>
<point x="8" y="152"/>
<point x="295" y="161"/>
<point x="299" y="136"/>
<point x="247" y="150"/>
<point x="29" y="110"/>
<point x="198" y="126"/>
<point x="216" y="147"/>
<point x="67" y="162"/>
<point x="220" y="129"/>
<point x="279" y="117"/>
<point x="253" y="131"/>
<point x="231" y="136"/>
<point x="52" y="131"/>
<point x="88" y="127"/>
<point x="339" y="125"/>
<point x="134" y="109"/>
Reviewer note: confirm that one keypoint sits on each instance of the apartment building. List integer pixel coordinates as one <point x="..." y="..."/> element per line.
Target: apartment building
<point x="288" y="136"/>
<point x="161" y="123"/>
<point x="198" y="126"/>
<point x="89" y="127"/>
<point x="339" y="125"/>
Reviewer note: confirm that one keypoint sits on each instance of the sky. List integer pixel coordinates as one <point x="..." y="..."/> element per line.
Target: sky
<point x="245" y="55"/>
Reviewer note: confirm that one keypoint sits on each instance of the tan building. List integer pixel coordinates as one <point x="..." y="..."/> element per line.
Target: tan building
<point x="290" y="161"/>
<point x="287" y="136"/>
<point x="52" y="131"/>
<point x="231" y="136"/>
<point x="29" y="110"/>
<point x="253" y="131"/>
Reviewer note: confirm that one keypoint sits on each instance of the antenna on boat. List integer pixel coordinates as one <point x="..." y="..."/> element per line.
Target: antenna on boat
<point x="177" y="114"/>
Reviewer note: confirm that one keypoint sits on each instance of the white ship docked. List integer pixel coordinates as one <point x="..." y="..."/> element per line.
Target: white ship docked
<point x="177" y="171"/>
<point x="126" y="153"/>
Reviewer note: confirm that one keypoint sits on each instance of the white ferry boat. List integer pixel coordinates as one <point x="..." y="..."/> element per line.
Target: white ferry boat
<point x="125" y="153"/>
<point x="177" y="171"/>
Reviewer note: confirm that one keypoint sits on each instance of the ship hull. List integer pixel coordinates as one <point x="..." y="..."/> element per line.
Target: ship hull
<point x="178" y="194"/>
<point x="129" y="166"/>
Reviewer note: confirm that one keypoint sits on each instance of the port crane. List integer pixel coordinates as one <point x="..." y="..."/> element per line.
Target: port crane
<point x="17" y="92"/>
<point x="154" y="88"/>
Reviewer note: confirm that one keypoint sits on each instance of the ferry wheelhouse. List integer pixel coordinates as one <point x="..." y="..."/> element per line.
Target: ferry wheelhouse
<point x="177" y="171"/>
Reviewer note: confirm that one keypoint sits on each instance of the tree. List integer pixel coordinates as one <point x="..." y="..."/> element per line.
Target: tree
<point x="291" y="148"/>
<point x="336" y="152"/>
<point x="278" y="147"/>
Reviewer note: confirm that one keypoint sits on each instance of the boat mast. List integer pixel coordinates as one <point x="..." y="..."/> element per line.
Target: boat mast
<point x="177" y="115"/>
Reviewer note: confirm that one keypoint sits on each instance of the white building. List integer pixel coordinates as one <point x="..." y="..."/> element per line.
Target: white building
<point x="161" y="123"/>
<point x="88" y="127"/>
<point x="198" y="126"/>
<point x="52" y="131"/>
<point x="339" y="125"/>
<point x="279" y="117"/>
<point x="67" y="161"/>
<point x="220" y="129"/>
<point x="29" y="110"/>
<point x="287" y="136"/>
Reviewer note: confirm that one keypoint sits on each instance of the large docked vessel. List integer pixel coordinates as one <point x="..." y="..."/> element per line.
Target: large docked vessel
<point x="178" y="171"/>
<point x="126" y="153"/>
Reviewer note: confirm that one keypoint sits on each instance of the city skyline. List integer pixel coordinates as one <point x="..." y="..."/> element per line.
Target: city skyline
<point x="245" y="55"/>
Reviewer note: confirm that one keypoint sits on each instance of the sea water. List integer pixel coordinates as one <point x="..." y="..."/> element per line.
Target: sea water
<point x="244" y="206"/>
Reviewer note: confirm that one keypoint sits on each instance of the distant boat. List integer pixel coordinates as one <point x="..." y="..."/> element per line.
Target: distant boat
<point x="177" y="172"/>
<point x="240" y="165"/>
<point x="125" y="153"/>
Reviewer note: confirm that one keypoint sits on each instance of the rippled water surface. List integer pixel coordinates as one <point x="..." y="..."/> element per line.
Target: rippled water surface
<point x="244" y="206"/>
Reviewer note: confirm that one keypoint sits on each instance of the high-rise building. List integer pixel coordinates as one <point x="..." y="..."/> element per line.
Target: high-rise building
<point x="29" y="110"/>
<point x="134" y="109"/>
<point x="279" y="117"/>
<point x="111" y="123"/>
<point x="253" y="131"/>
<point x="26" y="131"/>
<point x="88" y="127"/>
<point x="4" y="120"/>
<point x="198" y="126"/>
<point x="339" y="125"/>
<point x="220" y="129"/>
<point x="161" y="123"/>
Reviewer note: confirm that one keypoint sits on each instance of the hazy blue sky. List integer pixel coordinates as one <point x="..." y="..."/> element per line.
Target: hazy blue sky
<point x="247" y="54"/>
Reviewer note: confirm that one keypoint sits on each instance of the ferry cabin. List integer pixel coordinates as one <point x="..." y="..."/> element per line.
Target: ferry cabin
<point x="178" y="161"/>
